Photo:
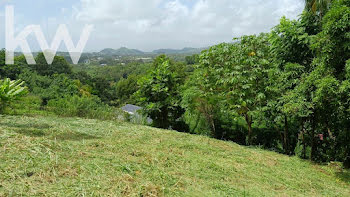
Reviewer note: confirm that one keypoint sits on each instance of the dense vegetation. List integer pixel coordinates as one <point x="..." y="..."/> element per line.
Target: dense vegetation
<point x="68" y="90"/>
<point x="287" y="90"/>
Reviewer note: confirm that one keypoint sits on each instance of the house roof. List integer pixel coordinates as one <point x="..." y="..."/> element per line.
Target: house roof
<point x="131" y="108"/>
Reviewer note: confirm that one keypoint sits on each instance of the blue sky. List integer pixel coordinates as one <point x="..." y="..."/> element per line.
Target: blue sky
<point x="151" y="24"/>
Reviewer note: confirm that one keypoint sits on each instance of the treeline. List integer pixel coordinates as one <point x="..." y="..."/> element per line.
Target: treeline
<point x="66" y="90"/>
<point x="287" y="90"/>
<point x="71" y="90"/>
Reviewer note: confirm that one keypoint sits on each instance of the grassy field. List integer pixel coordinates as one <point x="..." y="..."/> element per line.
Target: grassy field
<point x="51" y="156"/>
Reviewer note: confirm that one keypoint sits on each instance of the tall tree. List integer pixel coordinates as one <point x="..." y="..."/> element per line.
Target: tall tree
<point x="238" y="74"/>
<point x="159" y="94"/>
<point x="318" y="7"/>
<point x="58" y="66"/>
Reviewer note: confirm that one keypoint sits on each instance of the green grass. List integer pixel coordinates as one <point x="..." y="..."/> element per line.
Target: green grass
<point x="51" y="156"/>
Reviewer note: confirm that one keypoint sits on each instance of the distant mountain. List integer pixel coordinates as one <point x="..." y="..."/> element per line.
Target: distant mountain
<point x="179" y="51"/>
<point x="121" y="52"/>
<point x="132" y="52"/>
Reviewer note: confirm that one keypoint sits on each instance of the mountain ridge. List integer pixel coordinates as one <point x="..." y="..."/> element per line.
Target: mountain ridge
<point x="124" y="51"/>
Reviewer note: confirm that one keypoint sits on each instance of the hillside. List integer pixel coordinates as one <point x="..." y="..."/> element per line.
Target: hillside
<point x="179" y="51"/>
<point x="121" y="52"/>
<point x="76" y="157"/>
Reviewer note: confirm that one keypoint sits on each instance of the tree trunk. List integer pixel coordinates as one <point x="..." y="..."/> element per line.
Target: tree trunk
<point x="213" y="125"/>
<point x="197" y="122"/>
<point x="302" y="133"/>
<point x="347" y="161"/>
<point x="286" y="141"/>
<point x="312" y="156"/>
<point x="250" y="129"/>
<point x="332" y="141"/>
<point x="281" y="136"/>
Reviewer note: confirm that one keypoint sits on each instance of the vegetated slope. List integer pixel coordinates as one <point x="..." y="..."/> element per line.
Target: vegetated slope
<point x="179" y="51"/>
<point x="53" y="156"/>
<point x="123" y="51"/>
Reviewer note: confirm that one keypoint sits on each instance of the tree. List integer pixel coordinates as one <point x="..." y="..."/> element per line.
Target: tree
<point x="318" y="7"/>
<point x="235" y="75"/>
<point x="201" y="102"/>
<point x="193" y="59"/>
<point x="12" y="71"/>
<point x="49" y="87"/>
<point x="319" y="99"/>
<point x="58" y="66"/>
<point x="290" y="43"/>
<point x="159" y="94"/>
<point x="125" y="90"/>
<point x="332" y="43"/>
<point x="291" y="56"/>
<point x="102" y="88"/>
<point x="331" y="94"/>
<point x="278" y="114"/>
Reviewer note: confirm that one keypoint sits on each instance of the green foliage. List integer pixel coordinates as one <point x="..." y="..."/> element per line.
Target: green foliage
<point x="27" y="105"/>
<point x="115" y="72"/>
<point x="316" y="98"/>
<point x="193" y="59"/>
<point x="138" y="119"/>
<point x="10" y="91"/>
<point x="98" y="86"/>
<point x="235" y="75"/>
<point x="288" y="89"/>
<point x="87" y="107"/>
<point x="332" y="44"/>
<point x="50" y="87"/>
<point x="290" y="86"/>
<point x="300" y="152"/>
<point x="290" y="43"/>
<point x="202" y="103"/>
<point x="125" y="89"/>
<point x="12" y="71"/>
<point x="159" y="94"/>
<point x="102" y="88"/>
<point x="318" y="7"/>
<point x="58" y="66"/>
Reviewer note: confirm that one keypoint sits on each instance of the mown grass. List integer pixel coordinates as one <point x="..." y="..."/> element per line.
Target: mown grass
<point x="51" y="156"/>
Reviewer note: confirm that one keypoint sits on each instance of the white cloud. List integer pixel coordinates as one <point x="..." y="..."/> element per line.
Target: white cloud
<point x="155" y="24"/>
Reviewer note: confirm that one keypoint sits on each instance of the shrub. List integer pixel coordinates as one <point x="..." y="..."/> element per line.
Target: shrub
<point x="86" y="107"/>
<point x="10" y="91"/>
<point x="30" y="104"/>
<point x="159" y="94"/>
<point x="136" y="119"/>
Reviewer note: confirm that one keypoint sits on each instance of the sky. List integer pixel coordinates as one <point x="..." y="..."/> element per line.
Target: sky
<point x="150" y="24"/>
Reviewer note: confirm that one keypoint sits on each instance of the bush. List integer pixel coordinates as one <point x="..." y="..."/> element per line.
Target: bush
<point x="10" y="91"/>
<point x="30" y="104"/>
<point x="86" y="107"/>
<point x="299" y="151"/>
<point x="136" y="119"/>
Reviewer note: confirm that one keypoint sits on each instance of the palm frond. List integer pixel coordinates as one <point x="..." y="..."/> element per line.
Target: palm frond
<point x="10" y="91"/>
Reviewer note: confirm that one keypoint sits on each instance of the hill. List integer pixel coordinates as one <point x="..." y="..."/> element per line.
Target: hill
<point x="179" y="51"/>
<point x="134" y="52"/>
<point x="123" y="51"/>
<point x="77" y="157"/>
